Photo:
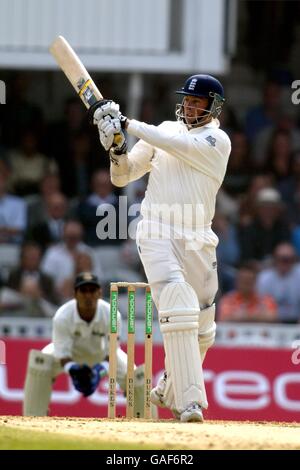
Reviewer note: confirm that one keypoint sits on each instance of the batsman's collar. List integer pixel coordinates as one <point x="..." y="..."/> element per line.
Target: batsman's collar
<point x="214" y="123"/>
<point x="86" y="278"/>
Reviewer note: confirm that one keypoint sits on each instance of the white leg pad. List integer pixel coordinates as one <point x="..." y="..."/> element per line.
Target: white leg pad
<point x="38" y="384"/>
<point x="169" y="397"/>
<point x="165" y="388"/>
<point x="179" y="323"/>
<point x="162" y="395"/>
<point x="207" y="329"/>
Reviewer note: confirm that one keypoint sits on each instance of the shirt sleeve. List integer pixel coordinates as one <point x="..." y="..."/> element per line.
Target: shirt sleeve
<point x="262" y="284"/>
<point x="132" y="166"/>
<point x="19" y="219"/>
<point x="48" y="263"/>
<point x="210" y="156"/>
<point x="62" y="340"/>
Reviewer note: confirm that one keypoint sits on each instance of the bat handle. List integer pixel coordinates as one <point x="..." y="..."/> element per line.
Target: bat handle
<point x="118" y="139"/>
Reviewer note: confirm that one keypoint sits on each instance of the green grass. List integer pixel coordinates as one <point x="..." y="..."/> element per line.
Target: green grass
<point x="18" y="439"/>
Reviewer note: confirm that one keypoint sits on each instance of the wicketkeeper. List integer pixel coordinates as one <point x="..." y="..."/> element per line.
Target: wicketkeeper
<point x="79" y="348"/>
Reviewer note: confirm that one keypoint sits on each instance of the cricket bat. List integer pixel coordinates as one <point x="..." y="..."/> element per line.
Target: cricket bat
<point x="77" y="74"/>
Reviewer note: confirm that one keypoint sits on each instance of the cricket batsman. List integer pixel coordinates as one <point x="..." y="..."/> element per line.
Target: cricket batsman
<point x="79" y="348"/>
<point x="187" y="161"/>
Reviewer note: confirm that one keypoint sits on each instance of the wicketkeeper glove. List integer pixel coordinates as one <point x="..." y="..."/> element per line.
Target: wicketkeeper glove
<point x="81" y="375"/>
<point x="86" y="379"/>
<point x="98" y="371"/>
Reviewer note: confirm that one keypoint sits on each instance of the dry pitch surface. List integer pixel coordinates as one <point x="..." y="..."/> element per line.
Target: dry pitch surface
<point x="82" y="433"/>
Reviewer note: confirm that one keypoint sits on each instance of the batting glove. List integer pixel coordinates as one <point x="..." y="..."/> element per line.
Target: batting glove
<point x="105" y="108"/>
<point x="102" y="109"/>
<point x="111" y="134"/>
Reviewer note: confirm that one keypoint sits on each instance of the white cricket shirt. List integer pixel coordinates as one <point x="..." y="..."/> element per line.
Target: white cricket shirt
<point x="187" y="167"/>
<point x="75" y="338"/>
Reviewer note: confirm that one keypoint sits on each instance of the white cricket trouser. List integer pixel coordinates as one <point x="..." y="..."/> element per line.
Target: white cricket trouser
<point x="168" y="260"/>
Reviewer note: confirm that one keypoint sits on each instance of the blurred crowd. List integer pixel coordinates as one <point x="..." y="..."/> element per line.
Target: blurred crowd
<point x="53" y="176"/>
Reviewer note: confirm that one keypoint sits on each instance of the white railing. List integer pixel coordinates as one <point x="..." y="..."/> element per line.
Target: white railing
<point x="262" y="335"/>
<point x="229" y="335"/>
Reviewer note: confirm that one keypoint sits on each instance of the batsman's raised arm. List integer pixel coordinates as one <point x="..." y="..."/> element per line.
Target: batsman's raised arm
<point x="124" y="167"/>
<point x="130" y="166"/>
<point x="206" y="148"/>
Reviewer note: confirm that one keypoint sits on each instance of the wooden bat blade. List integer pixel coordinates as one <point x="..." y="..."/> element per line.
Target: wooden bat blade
<point x="75" y="71"/>
<point x="77" y="74"/>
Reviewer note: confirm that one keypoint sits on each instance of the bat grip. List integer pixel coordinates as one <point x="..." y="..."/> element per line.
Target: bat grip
<point x="118" y="139"/>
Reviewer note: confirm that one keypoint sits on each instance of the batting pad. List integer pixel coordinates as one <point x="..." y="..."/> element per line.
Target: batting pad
<point x="38" y="384"/>
<point x="179" y="322"/>
<point x="207" y="329"/>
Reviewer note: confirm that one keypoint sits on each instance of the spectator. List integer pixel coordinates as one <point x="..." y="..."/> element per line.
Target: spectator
<point x="12" y="212"/>
<point x="227" y="205"/>
<point x="228" y="120"/>
<point x="82" y="159"/>
<point x="286" y="124"/>
<point x="103" y="195"/>
<point x="71" y="134"/>
<point x="282" y="281"/>
<point x="245" y="304"/>
<point x="228" y="251"/>
<point x="51" y="229"/>
<point x="239" y="167"/>
<point x="59" y="259"/>
<point x="248" y="200"/>
<point x="34" y="303"/>
<point x="29" y="275"/>
<point x="12" y="303"/>
<point x="266" y="114"/>
<point x="83" y="263"/>
<point x="296" y="239"/>
<point x="290" y="190"/>
<point x="29" y="166"/>
<point x="49" y="185"/>
<point x="28" y="302"/>
<point x="21" y="113"/>
<point x="268" y="229"/>
<point x="278" y="162"/>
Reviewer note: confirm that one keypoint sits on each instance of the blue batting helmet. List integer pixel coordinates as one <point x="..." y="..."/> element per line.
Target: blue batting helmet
<point x="202" y="86"/>
<point x="205" y="86"/>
